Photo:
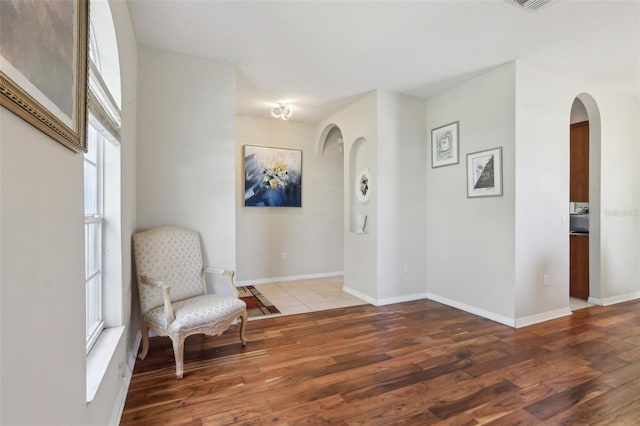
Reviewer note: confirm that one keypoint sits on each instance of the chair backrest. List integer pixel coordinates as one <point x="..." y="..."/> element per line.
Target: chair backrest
<point x="171" y="254"/>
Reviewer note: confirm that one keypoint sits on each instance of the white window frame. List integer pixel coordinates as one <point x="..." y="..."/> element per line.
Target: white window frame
<point x="105" y="117"/>
<point x="96" y="218"/>
<point x="104" y="123"/>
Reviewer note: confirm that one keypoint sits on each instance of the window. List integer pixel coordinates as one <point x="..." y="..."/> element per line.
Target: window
<point x="93" y="223"/>
<point x="103" y="275"/>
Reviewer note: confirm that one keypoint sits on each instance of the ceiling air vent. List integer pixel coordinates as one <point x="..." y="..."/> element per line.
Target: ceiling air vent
<point x="531" y="4"/>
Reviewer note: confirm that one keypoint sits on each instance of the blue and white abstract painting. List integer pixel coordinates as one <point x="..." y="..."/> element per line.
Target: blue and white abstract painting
<point x="272" y="177"/>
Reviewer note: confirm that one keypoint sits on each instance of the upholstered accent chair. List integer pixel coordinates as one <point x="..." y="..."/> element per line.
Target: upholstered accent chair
<point x="173" y="293"/>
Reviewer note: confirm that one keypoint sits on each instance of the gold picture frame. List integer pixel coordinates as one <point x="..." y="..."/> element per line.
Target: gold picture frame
<point x="43" y="66"/>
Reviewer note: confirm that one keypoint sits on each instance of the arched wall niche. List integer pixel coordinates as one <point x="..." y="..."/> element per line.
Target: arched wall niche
<point x="330" y="135"/>
<point x="359" y="205"/>
<point x="593" y="117"/>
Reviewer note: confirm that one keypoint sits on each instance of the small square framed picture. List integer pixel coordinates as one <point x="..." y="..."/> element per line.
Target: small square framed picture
<point x="444" y="145"/>
<point x="484" y="173"/>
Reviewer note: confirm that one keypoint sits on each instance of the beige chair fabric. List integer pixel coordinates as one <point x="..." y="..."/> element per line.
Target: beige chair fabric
<point x="173" y="294"/>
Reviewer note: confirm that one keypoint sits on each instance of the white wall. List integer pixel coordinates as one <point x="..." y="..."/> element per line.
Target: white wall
<point x="358" y="124"/>
<point x="113" y="383"/>
<point x="470" y="241"/>
<point x="620" y="196"/>
<point x="543" y="105"/>
<point x="400" y="183"/>
<point x="523" y="236"/>
<point x="384" y="132"/>
<point x="311" y="236"/>
<point x="542" y="202"/>
<point x="128" y="51"/>
<point x="186" y="151"/>
<point x="42" y="278"/>
<point x="42" y="306"/>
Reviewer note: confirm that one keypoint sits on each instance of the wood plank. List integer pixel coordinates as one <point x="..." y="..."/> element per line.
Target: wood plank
<point x="575" y="415"/>
<point x="607" y="364"/>
<point x="393" y="406"/>
<point x="501" y="407"/>
<point x="613" y="401"/>
<point x="565" y="400"/>
<point x="483" y="396"/>
<point x="517" y="417"/>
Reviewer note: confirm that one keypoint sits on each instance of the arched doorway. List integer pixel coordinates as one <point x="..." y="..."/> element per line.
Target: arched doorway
<point x="584" y="203"/>
<point x="330" y="146"/>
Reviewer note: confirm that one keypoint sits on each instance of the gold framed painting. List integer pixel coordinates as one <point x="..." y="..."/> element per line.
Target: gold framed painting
<point x="43" y="66"/>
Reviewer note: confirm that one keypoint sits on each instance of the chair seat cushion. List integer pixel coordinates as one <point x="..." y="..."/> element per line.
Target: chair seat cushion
<point x="196" y="312"/>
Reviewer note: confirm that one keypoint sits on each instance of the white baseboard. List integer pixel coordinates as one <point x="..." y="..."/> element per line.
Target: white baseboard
<point x="614" y="299"/>
<point x="621" y="298"/>
<point x="400" y="299"/>
<point x="472" y="309"/>
<point x="370" y="300"/>
<point x="127" y="373"/>
<point x="133" y="355"/>
<point x="288" y="278"/>
<point x="545" y="316"/>
<point x="594" y="301"/>
<point x="385" y="301"/>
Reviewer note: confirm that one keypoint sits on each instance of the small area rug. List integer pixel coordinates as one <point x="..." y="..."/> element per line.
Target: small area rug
<point x="257" y="304"/>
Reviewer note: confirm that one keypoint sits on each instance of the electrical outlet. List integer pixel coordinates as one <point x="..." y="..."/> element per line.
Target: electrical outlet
<point x="545" y="281"/>
<point x="406" y="267"/>
<point x="283" y="256"/>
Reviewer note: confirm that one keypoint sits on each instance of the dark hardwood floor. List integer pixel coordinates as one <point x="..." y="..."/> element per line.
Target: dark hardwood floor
<point x="415" y="363"/>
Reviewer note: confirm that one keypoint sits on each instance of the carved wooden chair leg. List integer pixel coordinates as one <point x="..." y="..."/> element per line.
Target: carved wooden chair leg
<point x="178" y="350"/>
<point x="145" y="340"/>
<point x="243" y="324"/>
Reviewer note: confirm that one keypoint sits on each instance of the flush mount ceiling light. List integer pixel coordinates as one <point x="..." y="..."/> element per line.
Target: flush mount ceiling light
<point x="283" y="111"/>
<point x="531" y="4"/>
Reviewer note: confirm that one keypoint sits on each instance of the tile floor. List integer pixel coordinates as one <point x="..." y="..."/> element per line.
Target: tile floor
<point x="296" y="297"/>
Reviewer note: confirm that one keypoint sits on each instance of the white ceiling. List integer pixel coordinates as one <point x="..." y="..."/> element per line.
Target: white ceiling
<point x="321" y="55"/>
